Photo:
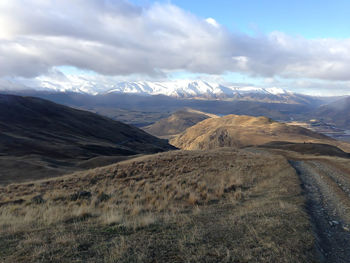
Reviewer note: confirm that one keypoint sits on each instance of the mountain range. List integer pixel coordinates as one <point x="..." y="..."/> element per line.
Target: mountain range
<point x="190" y="89"/>
<point x="142" y="103"/>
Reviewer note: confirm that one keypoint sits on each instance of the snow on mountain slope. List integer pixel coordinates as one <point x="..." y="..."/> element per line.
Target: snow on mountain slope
<point x="189" y="89"/>
<point x="176" y="88"/>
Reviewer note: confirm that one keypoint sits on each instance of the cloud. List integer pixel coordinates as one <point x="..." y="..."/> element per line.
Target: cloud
<point x="212" y="22"/>
<point x="119" y="38"/>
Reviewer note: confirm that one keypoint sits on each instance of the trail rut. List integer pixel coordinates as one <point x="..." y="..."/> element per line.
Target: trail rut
<point x="328" y="203"/>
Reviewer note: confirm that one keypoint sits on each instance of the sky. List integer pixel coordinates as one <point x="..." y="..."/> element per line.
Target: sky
<point x="308" y="18"/>
<point x="301" y="46"/>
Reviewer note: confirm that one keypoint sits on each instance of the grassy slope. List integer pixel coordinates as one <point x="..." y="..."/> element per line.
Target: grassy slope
<point x="178" y="122"/>
<point x="38" y="126"/>
<point x="43" y="138"/>
<point x="221" y="205"/>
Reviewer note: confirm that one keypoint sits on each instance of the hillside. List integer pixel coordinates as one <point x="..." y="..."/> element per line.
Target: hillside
<point x="44" y="138"/>
<point x="241" y="131"/>
<point x="177" y="122"/>
<point x="221" y="205"/>
<point x="316" y="149"/>
<point x="337" y="113"/>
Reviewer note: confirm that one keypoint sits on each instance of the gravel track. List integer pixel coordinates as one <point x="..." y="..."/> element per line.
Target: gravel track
<point x="328" y="203"/>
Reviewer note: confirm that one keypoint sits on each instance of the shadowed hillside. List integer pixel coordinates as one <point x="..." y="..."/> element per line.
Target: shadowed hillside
<point x="41" y="137"/>
<point x="241" y="131"/>
<point x="308" y="148"/>
<point x="337" y="113"/>
<point x="177" y="122"/>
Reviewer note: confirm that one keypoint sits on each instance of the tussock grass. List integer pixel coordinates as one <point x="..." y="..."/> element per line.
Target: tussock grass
<point x="222" y="205"/>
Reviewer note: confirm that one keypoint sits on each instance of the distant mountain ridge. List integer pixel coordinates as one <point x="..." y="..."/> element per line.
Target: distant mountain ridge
<point x="198" y="89"/>
<point x="181" y="89"/>
<point x="190" y="88"/>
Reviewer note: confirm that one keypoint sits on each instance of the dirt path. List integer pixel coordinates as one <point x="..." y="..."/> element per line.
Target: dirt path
<point x="328" y="202"/>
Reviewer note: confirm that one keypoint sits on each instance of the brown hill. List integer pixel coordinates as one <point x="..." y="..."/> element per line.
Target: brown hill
<point x="45" y="139"/>
<point x="241" y="131"/>
<point x="178" y="122"/>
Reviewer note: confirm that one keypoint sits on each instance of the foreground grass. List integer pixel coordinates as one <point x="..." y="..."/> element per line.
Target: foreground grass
<point x="216" y="206"/>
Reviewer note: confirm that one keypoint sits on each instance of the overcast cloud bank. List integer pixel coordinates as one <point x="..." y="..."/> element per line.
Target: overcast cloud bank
<point x="118" y="38"/>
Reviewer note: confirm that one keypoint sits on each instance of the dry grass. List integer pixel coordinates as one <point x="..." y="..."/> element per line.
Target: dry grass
<point x="241" y="131"/>
<point x="221" y="205"/>
<point x="177" y="122"/>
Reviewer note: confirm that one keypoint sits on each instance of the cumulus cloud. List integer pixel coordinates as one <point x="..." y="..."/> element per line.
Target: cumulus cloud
<point x="120" y="38"/>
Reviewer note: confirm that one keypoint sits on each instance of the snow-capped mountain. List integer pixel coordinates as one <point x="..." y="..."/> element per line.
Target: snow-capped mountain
<point x="191" y="89"/>
<point x="175" y="88"/>
<point x="184" y="89"/>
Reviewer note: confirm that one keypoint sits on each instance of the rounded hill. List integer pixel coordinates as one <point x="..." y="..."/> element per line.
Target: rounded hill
<point x="240" y="131"/>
